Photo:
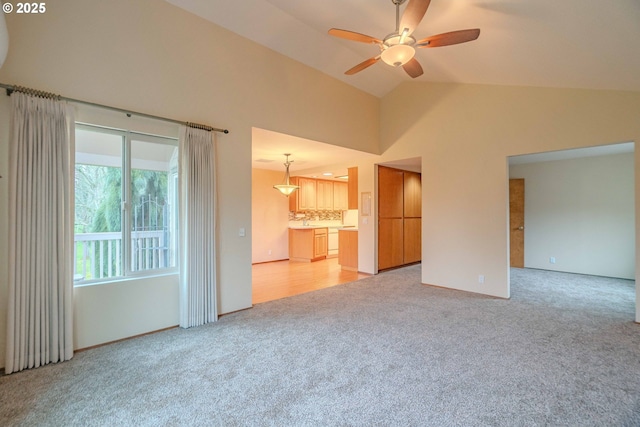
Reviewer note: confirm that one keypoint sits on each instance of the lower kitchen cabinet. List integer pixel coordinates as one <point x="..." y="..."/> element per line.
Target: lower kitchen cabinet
<point x="308" y="244"/>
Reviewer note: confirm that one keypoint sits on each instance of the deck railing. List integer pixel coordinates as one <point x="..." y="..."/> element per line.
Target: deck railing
<point x="99" y="255"/>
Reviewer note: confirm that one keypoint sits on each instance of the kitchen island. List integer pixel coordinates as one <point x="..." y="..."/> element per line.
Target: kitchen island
<point x="308" y="243"/>
<point x="348" y="248"/>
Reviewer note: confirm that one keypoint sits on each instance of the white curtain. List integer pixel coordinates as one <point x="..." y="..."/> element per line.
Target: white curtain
<point x="41" y="168"/>
<point x="198" y="283"/>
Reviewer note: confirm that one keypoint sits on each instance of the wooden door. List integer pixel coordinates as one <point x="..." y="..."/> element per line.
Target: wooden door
<point x="412" y="240"/>
<point x="390" y="214"/>
<point x="390" y="192"/>
<point x="412" y="195"/>
<point x="390" y="243"/>
<point x="400" y="222"/>
<point x="516" y="222"/>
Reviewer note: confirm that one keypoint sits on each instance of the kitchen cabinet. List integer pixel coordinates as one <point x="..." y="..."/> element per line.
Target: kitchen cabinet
<point x="304" y="198"/>
<point x="340" y="196"/>
<point x="308" y="244"/>
<point x="320" y="243"/>
<point x="324" y="195"/>
<point x="352" y="188"/>
<point x="348" y="253"/>
<point x="319" y="194"/>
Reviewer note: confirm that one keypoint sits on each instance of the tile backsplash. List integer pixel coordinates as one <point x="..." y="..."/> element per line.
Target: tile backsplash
<point x="315" y="216"/>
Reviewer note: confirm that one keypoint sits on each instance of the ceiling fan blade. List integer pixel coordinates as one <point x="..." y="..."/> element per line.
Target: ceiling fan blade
<point x="413" y="14"/>
<point x="361" y="66"/>
<point x="413" y="68"/>
<point x="447" y="39"/>
<point x="353" y="36"/>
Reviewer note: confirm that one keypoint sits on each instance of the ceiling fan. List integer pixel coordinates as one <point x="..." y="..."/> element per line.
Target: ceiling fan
<point x="398" y="48"/>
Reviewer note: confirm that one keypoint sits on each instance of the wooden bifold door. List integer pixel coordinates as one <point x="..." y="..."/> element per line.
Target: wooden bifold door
<point x="399" y="217"/>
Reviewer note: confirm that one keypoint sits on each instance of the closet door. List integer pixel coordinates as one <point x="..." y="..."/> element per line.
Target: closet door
<point x="412" y="195"/>
<point x="399" y="217"/>
<point x="390" y="214"/>
<point x="412" y="240"/>
<point x="390" y="243"/>
<point x="390" y="192"/>
<point x="412" y="217"/>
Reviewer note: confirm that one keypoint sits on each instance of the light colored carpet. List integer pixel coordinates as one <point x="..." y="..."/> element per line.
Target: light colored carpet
<point x="386" y="350"/>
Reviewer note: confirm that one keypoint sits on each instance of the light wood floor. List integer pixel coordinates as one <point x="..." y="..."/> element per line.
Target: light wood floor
<point x="280" y="279"/>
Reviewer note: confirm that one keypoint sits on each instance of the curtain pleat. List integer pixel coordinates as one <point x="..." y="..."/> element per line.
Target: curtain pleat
<point x="198" y="265"/>
<point x="41" y="165"/>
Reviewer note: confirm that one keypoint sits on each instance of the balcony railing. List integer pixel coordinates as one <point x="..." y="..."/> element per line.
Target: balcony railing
<point x="99" y="255"/>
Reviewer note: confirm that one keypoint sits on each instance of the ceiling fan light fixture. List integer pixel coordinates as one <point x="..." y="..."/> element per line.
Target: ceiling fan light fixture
<point x="398" y="54"/>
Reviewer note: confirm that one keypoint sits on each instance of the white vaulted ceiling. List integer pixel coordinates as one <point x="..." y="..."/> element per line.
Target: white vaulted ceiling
<point x="590" y="44"/>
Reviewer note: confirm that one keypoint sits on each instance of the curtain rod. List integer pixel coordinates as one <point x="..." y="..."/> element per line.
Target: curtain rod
<point x="10" y="89"/>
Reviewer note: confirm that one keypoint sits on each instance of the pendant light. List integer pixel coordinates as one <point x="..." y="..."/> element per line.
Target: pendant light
<point x="287" y="188"/>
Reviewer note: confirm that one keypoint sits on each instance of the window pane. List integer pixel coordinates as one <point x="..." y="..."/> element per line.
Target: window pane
<point x="98" y="205"/>
<point x="154" y="203"/>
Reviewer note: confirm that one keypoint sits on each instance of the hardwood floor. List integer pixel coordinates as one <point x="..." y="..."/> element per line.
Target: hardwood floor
<point x="281" y="279"/>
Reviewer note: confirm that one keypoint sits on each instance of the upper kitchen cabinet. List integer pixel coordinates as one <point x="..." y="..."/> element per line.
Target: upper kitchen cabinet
<point x="324" y="195"/>
<point x="353" y="188"/>
<point x="340" y="196"/>
<point x="304" y="198"/>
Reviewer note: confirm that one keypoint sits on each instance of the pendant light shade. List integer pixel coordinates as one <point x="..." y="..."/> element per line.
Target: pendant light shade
<point x="286" y="187"/>
<point x="398" y="54"/>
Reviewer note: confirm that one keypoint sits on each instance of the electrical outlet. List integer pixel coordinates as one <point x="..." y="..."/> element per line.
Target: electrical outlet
<point x="481" y="279"/>
<point x="552" y="260"/>
<point x="269" y="251"/>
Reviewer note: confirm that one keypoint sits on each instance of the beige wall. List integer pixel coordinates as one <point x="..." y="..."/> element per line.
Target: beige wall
<point x="269" y="218"/>
<point x="152" y="57"/>
<point x="582" y="213"/>
<point x="464" y="134"/>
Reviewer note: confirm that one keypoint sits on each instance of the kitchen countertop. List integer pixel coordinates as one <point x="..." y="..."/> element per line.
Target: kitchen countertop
<point x="312" y="226"/>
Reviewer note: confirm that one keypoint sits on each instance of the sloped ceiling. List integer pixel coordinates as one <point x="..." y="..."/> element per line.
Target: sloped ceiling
<point x="591" y="44"/>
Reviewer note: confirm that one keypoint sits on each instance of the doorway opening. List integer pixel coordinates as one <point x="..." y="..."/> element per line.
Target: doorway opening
<point x="578" y="213"/>
<point x="322" y="167"/>
<point x="399" y="227"/>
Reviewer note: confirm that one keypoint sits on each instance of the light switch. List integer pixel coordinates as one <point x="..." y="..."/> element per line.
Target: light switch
<point x="242" y="233"/>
